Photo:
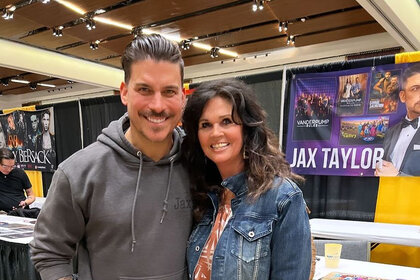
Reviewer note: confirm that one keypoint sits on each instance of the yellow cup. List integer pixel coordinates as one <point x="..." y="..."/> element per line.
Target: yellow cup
<point x="332" y="254"/>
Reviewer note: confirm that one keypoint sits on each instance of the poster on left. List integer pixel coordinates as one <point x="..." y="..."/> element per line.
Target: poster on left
<point x="31" y="137"/>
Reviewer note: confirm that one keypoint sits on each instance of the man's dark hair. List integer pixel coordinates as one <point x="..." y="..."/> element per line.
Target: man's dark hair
<point x="410" y="71"/>
<point x="46" y="112"/>
<point x="153" y="46"/>
<point x="5" y="153"/>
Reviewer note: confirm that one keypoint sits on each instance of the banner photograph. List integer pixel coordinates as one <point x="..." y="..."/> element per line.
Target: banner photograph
<point x="30" y="136"/>
<point x="356" y="122"/>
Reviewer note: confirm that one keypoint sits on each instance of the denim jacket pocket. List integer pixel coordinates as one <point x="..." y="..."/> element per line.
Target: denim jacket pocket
<point x="252" y="237"/>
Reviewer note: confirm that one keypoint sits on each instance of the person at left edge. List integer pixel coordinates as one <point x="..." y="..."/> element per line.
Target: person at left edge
<point x="14" y="184"/>
<point x="125" y="199"/>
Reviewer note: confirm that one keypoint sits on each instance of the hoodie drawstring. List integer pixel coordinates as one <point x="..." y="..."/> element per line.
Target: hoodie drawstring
<point x="133" y="236"/>
<point x="168" y="187"/>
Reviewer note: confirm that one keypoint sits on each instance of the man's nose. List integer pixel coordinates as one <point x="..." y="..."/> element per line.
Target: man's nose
<point x="156" y="103"/>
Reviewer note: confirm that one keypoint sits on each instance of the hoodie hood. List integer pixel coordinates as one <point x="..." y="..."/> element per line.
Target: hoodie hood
<point x="114" y="137"/>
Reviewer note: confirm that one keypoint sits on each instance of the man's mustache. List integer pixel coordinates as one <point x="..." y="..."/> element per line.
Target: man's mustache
<point x="154" y="114"/>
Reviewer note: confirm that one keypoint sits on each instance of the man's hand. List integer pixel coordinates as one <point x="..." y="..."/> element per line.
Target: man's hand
<point x="388" y="169"/>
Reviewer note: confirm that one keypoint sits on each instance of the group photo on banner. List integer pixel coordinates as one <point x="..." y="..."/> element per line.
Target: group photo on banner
<point x="30" y="136"/>
<point x="358" y="122"/>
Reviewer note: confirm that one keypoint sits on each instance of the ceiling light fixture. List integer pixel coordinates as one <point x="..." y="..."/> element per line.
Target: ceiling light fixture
<point x="290" y="40"/>
<point x="185" y="44"/>
<point x="7" y="14"/>
<point x="45" y="1"/>
<point x="58" y="31"/>
<point x="137" y="31"/>
<point x="90" y="24"/>
<point x="19" y="81"/>
<point x="214" y="52"/>
<point x="255" y="6"/>
<point x="5" y="82"/>
<point x="285" y="25"/>
<point x="280" y="26"/>
<point x="46" y="85"/>
<point x="99" y="11"/>
<point x="258" y="5"/>
<point x="94" y="45"/>
<point x="32" y="86"/>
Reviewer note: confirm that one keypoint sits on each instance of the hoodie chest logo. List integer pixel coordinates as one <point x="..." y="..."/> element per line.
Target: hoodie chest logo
<point x="181" y="203"/>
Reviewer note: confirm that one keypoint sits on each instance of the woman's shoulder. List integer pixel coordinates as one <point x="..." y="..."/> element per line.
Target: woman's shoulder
<point x="284" y="189"/>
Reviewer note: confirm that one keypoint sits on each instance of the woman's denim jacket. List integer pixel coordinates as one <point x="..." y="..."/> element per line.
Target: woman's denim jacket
<point x="266" y="239"/>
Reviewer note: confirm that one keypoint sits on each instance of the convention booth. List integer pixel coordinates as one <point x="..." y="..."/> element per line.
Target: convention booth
<point x="339" y="195"/>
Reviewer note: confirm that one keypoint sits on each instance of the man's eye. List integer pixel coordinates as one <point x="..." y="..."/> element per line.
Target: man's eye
<point x="170" y="92"/>
<point x="415" y="88"/>
<point x="143" y="90"/>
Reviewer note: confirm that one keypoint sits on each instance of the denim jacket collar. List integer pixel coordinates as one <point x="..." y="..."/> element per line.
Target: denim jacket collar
<point x="236" y="184"/>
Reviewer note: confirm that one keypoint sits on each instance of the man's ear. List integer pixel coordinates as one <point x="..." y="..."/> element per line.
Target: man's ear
<point x="402" y="96"/>
<point x="123" y="93"/>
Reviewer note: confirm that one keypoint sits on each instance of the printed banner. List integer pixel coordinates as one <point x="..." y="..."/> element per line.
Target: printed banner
<point x="342" y="123"/>
<point x="30" y="136"/>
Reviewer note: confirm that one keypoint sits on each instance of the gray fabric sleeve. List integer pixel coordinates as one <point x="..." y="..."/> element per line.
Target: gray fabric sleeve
<point x="59" y="227"/>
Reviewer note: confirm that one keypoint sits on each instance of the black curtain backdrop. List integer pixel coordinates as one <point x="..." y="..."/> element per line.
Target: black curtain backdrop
<point x="97" y="113"/>
<point x="67" y="135"/>
<point x="267" y="87"/>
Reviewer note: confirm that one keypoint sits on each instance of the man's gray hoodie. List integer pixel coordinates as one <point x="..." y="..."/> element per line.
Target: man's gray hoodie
<point x="130" y="215"/>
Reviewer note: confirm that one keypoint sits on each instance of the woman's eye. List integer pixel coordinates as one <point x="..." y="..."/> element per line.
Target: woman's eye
<point x="227" y="121"/>
<point x="204" y="125"/>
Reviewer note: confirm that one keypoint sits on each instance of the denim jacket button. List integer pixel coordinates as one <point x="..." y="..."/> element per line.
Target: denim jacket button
<point x="197" y="248"/>
<point x="251" y="234"/>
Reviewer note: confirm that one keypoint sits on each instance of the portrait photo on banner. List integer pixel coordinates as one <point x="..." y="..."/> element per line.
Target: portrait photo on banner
<point x="30" y="135"/>
<point x="357" y="122"/>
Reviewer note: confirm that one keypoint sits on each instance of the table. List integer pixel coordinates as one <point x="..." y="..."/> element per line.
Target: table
<point x="398" y="234"/>
<point x="368" y="269"/>
<point x="15" y="262"/>
<point x="39" y="201"/>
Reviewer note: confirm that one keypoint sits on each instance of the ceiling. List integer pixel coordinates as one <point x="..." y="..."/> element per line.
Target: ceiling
<point x="229" y="25"/>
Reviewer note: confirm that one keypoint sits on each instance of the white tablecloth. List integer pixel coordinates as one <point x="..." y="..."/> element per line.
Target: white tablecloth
<point x="16" y="229"/>
<point x="408" y="235"/>
<point x="368" y="269"/>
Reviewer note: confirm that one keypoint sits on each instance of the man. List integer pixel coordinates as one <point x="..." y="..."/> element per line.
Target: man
<point x="14" y="184"/>
<point x="46" y="140"/>
<point x="402" y="141"/>
<point x="32" y="136"/>
<point x="125" y="199"/>
<point x="382" y="84"/>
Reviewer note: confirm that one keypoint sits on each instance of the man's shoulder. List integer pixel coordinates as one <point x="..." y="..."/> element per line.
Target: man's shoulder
<point x="87" y="156"/>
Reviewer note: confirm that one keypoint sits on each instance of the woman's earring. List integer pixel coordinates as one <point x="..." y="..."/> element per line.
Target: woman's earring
<point x="244" y="154"/>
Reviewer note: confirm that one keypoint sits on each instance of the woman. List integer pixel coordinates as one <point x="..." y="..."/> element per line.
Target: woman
<point x="251" y="221"/>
